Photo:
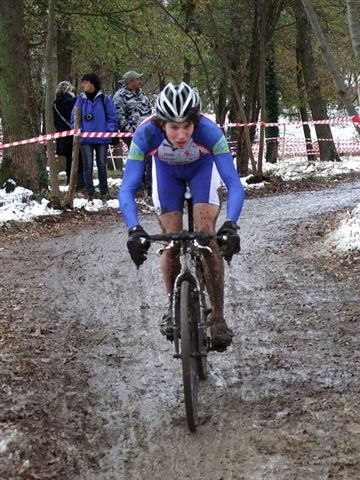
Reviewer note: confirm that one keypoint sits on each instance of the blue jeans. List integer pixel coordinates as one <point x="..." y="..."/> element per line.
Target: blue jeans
<point x="87" y="151"/>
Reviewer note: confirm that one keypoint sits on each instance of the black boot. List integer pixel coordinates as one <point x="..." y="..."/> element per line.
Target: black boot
<point x="166" y="324"/>
<point x="221" y="335"/>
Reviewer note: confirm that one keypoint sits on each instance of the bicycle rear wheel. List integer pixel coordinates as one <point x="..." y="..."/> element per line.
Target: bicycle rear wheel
<point x="188" y="349"/>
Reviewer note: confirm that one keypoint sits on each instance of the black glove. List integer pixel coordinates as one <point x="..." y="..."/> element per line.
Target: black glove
<point x="231" y="245"/>
<point x="138" y="245"/>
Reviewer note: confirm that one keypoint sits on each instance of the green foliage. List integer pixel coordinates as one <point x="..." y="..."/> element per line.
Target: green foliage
<point x="157" y="37"/>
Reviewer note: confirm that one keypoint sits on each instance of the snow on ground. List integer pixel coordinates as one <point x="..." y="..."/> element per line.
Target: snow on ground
<point x="300" y="168"/>
<point x="251" y="186"/>
<point x="95" y="205"/>
<point x="347" y="236"/>
<point x="20" y="205"/>
<point x="340" y="131"/>
<point x="112" y="182"/>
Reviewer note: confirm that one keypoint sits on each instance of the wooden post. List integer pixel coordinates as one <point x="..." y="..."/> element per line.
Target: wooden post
<point x="284" y="144"/>
<point x="69" y="198"/>
<point x="51" y="80"/>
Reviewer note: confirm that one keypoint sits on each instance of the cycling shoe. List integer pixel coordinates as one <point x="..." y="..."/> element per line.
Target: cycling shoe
<point x="221" y="335"/>
<point x="166" y="325"/>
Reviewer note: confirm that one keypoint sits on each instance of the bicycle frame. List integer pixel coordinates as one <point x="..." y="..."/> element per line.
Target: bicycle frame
<point x="189" y="323"/>
<point x="190" y="260"/>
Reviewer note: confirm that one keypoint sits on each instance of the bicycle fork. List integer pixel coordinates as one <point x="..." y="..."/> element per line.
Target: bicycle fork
<point x="201" y="313"/>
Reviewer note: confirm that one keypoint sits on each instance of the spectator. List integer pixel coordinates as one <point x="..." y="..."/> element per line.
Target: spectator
<point x="132" y="105"/>
<point x="98" y="114"/>
<point x="62" y="107"/>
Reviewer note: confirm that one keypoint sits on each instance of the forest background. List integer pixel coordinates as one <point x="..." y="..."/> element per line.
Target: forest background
<point x="250" y="60"/>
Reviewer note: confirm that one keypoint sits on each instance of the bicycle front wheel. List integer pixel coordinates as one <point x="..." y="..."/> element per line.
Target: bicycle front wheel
<point x="188" y="351"/>
<point x="202" y="338"/>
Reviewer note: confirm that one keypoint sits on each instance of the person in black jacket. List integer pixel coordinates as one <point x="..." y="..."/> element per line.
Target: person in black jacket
<point x="62" y="108"/>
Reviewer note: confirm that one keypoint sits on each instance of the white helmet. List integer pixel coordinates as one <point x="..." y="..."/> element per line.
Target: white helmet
<point x="174" y="103"/>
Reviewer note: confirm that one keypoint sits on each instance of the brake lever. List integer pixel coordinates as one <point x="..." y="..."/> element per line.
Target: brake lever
<point x="202" y="247"/>
<point x="168" y="247"/>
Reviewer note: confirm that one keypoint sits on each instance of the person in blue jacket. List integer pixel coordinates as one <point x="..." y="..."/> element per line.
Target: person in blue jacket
<point x="188" y="148"/>
<point x="98" y="114"/>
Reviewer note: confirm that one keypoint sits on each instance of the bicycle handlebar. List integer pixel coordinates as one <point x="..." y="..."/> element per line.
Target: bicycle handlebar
<point x="182" y="237"/>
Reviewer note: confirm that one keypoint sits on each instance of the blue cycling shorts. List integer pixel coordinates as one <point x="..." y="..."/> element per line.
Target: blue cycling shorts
<point x="169" y="183"/>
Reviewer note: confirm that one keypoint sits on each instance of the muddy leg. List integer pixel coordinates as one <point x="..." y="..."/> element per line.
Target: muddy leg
<point x="169" y="261"/>
<point x="205" y="216"/>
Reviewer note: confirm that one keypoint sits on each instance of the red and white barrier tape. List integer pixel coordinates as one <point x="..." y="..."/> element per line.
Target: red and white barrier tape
<point x="76" y="132"/>
<point x="67" y="133"/>
<point x="299" y="140"/>
<point x="330" y="121"/>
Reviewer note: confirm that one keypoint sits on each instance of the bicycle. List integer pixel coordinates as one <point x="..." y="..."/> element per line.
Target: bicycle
<point x="190" y="310"/>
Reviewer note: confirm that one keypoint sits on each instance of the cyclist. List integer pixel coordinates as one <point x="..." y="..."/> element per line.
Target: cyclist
<point x="188" y="148"/>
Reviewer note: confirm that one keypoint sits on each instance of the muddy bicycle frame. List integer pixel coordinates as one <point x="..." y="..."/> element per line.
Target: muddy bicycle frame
<point x="189" y="308"/>
<point x="191" y="270"/>
<point x="190" y="254"/>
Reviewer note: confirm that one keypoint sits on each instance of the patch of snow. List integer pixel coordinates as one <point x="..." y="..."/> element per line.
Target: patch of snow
<point x="300" y="168"/>
<point x="113" y="203"/>
<point x="18" y="206"/>
<point x="95" y="205"/>
<point x="20" y="194"/>
<point x="112" y="182"/>
<point x="251" y="186"/>
<point x="347" y="236"/>
<point x="6" y="438"/>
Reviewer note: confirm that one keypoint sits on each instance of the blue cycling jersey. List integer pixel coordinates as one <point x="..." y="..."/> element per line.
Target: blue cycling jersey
<point x="207" y="142"/>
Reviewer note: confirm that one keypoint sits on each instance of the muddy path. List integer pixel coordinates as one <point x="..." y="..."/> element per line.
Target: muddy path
<point x="89" y="389"/>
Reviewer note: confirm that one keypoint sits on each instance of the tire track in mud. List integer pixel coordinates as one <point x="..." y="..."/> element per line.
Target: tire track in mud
<point x="282" y="403"/>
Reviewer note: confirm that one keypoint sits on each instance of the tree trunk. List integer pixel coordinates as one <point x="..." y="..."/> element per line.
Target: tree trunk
<point x="189" y="21"/>
<point x="272" y="103"/>
<point x="353" y="16"/>
<point x="302" y="108"/>
<point x="328" y="57"/>
<point x="161" y="80"/>
<point x="312" y="83"/>
<point x="51" y="80"/>
<point x="64" y="51"/>
<point x="222" y="99"/>
<point x="25" y="164"/>
<point x="240" y="108"/>
<point x="187" y="70"/>
<point x="253" y="67"/>
<point x="262" y="89"/>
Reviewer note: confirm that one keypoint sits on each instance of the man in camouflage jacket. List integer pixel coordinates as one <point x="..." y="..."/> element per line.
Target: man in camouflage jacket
<point x="132" y="105"/>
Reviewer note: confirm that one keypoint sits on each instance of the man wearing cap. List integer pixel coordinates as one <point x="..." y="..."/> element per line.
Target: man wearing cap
<point x="132" y="105"/>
